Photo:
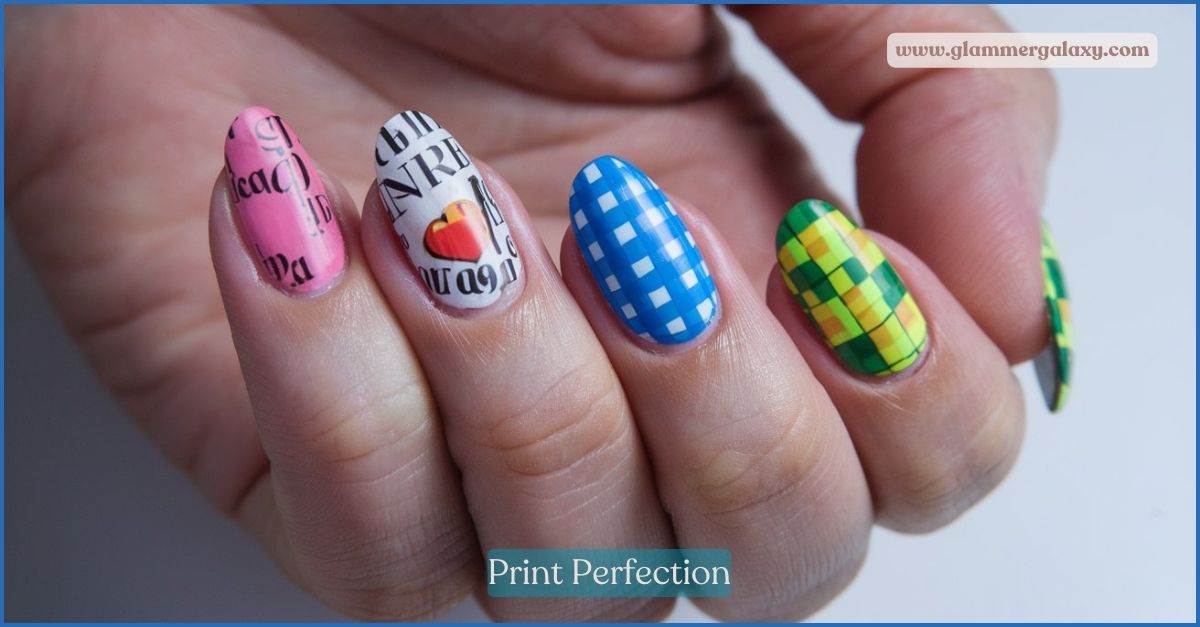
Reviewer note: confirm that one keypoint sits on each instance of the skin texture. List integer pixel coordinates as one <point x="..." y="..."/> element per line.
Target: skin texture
<point x="115" y="117"/>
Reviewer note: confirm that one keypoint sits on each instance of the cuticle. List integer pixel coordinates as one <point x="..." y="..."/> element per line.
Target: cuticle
<point x="903" y="375"/>
<point x="681" y="348"/>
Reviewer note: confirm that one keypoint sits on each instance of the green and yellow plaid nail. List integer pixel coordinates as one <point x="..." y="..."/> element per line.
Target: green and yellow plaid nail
<point x="849" y="290"/>
<point x="1053" y="365"/>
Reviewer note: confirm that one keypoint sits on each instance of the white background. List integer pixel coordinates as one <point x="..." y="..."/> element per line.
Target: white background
<point x="1097" y="520"/>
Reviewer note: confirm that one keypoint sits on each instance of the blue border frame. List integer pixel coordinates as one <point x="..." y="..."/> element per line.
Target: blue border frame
<point x="3" y="280"/>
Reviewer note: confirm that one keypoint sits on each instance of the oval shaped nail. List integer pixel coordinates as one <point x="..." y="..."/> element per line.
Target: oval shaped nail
<point x="447" y="221"/>
<point x="640" y="253"/>
<point x="849" y="290"/>
<point x="281" y="204"/>
<point x="1053" y="364"/>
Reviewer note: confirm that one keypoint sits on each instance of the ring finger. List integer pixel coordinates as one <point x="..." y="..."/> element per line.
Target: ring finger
<point x="748" y="450"/>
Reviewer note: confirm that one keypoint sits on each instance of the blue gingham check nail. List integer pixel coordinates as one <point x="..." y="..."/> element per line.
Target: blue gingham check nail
<point x="642" y="256"/>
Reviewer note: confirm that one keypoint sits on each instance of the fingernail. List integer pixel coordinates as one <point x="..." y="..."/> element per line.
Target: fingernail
<point x="849" y="290"/>
<point x="441" y="208"/>
<point x="641" y="254"/>
<point x="281" y="204"/>
<point x="1053" y="364"/>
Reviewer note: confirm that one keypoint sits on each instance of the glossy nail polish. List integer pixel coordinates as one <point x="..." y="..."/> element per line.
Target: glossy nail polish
<point x="443" y="213"/>
<point x="849" y="290"/>
<point x="1053" y="365"/>
<point x="640" y="252"/>
<point x="281" y="205"/>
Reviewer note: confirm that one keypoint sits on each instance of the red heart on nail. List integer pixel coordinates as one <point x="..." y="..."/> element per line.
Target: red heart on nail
<point x="460" y="234"/>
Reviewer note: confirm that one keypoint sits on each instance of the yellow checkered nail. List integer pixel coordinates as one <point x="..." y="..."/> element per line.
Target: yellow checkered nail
<point x="849" y="290"/>
<point x="1054" y="365"/>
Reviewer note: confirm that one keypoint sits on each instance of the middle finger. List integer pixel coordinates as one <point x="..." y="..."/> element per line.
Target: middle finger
<point x="534" y="415"/>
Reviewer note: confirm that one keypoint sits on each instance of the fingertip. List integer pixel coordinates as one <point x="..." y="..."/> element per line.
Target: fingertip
<point x="963" y="187"/>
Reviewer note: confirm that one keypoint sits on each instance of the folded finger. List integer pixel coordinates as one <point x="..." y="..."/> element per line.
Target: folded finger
<point x="952" y="162"/>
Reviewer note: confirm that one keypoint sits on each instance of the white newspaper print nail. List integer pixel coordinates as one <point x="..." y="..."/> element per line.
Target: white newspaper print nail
<point x="441" y="208"/>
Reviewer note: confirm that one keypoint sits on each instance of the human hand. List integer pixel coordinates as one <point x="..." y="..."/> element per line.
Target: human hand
<point x="127" y="264"/>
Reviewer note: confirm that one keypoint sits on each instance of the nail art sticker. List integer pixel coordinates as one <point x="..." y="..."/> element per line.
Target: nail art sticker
<point x="281" y="204"/>
<point x="460" y="234"/>
<point x="849" y="290"/>
<point x="640" y="252"/>
<point x="1053" y="364"/>
<point x="439" y="205"/>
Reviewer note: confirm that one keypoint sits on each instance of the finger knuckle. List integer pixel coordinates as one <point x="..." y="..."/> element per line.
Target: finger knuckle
<point x="363" y="422"/>
<point x="576" y="419"/>
<point x="648" y="32"/>
<point x="383" y="574"/>
<point x="791" y="480"/>
<point x="937" y="488"/>
<point x="733" y="485"/>
<point x="394" y="604"/>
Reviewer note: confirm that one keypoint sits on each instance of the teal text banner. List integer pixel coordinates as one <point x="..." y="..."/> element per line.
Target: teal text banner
<point x="608" y="573"/>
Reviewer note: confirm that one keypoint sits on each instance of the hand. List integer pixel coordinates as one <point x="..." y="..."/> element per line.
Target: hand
<point x="112" y="158"/>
